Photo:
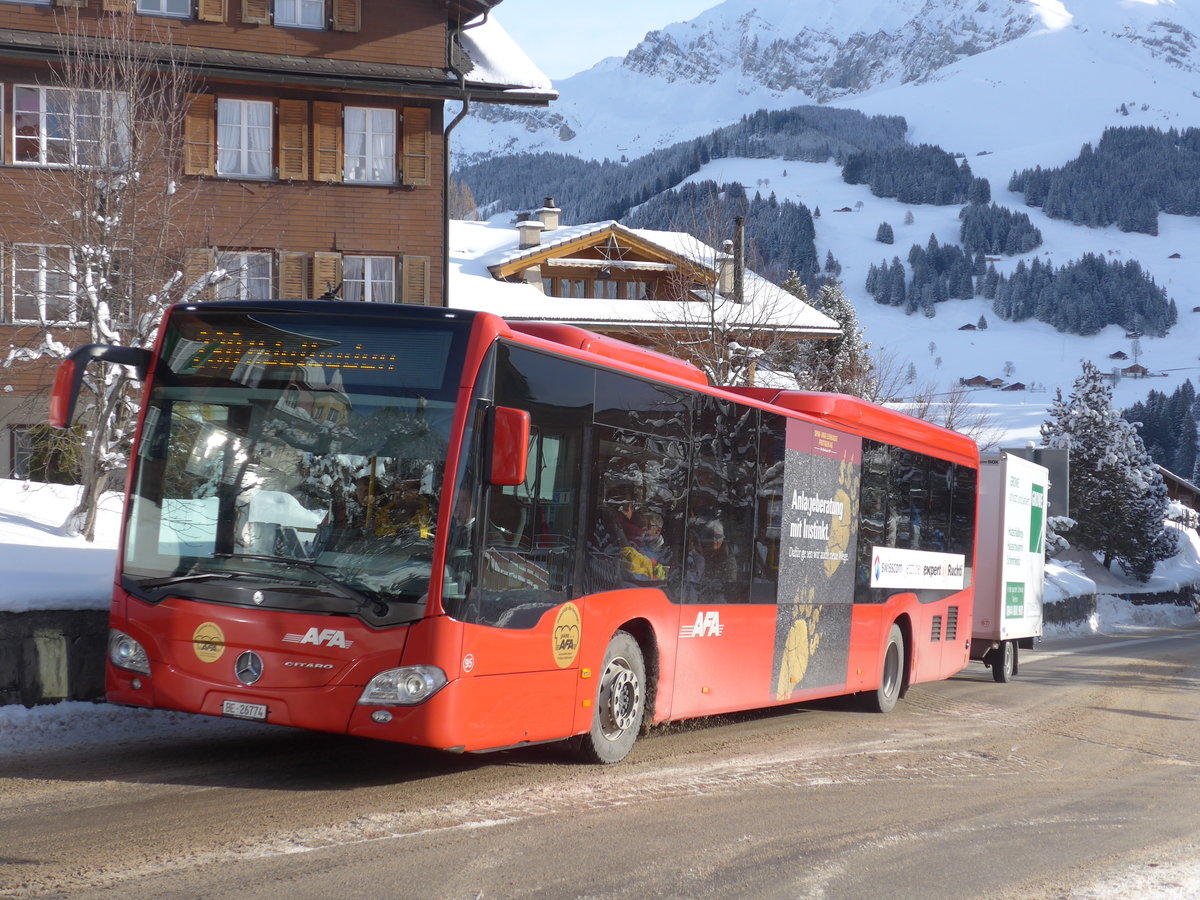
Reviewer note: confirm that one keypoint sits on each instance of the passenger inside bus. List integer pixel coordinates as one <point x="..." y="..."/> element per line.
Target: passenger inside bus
<point x="712" y="570"/>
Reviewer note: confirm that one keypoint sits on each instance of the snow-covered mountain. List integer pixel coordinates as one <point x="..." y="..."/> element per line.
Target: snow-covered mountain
<point x="743" y="55"/>
<point x="1009" y="84"/>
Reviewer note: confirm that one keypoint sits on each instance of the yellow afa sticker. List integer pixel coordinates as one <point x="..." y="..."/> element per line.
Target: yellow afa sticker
<point x="567" y="630"/>
<point x="208" y="641"/>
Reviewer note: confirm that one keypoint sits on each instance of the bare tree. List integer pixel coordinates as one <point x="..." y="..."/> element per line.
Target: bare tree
<point x="103" y="194"/>
<point x="954" y="409"/>
<point x="715" y="311"/>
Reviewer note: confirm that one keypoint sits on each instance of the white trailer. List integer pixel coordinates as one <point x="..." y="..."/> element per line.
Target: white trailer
<point x="1010" y="561"/>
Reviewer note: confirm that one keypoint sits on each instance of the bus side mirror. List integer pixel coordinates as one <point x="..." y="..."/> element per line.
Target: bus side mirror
<point x="509" y="440"/>
<point x="70" y="375"/>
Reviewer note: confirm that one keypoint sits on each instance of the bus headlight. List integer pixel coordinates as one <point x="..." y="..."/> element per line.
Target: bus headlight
<point x="406" y="686"/>
<point x="126" y="653"/>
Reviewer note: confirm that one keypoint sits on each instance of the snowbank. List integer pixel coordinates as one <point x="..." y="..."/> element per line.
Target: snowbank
<point x="42" y="566"/>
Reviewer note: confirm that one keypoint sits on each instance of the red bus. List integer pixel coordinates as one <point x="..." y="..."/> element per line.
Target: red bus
<point x="437" y="527"/>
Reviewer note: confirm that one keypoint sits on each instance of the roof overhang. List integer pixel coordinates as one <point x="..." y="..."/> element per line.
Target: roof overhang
<point x="322" y="73"/>
<point x="561" y="254"/>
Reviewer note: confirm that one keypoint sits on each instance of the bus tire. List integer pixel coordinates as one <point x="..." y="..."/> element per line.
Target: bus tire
<point x="891" y="676"/>
<point x="620" y="703"/>
<point x="1004" y="663"/>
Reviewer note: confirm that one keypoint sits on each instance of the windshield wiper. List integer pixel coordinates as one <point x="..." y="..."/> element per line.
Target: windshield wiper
<point x="361" y="599"/>
<point x="156" y="583"/>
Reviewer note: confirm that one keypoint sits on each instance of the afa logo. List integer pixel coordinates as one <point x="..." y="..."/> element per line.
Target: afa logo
<point x="707" y="624"/>
<point x="568" y="627"/>
<point x="327" y="637"/>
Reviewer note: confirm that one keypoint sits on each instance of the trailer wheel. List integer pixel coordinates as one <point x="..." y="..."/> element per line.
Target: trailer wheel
<point x="1004" y="662"/>
<point x="620" y="703"/>
<point x="891" y="678"/>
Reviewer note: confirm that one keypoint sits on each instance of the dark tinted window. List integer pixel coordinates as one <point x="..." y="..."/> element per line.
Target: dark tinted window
<point x="720" y="541"/>
<point x="770" y="499"/>
<point x="636" y="524"/>
<point x="632" y="404"/>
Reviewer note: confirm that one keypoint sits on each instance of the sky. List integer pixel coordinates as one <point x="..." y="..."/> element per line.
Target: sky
<point x="567" y="36"/>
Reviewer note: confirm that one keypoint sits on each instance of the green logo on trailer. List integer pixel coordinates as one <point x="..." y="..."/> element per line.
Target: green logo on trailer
<point x="1037" y="516"/>
<point x="1014" y="600"/>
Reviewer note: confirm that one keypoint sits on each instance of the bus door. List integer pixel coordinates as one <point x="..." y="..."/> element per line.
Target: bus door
<point x="521" y="637"/>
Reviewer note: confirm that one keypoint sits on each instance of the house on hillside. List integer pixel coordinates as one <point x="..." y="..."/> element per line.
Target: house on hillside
<point x="1180" y="489"/>
<point x="313" y="149"/>
<point x="1135" y="371"/>
<point x="640" y="285"/>
<point x="976" y="381"/>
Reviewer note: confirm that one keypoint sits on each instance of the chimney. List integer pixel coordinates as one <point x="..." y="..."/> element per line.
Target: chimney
<point x="739" y="259"/>
<point x="530" y="232"/>
<point x="725" y="261"/>
<point x="549" y="214"/>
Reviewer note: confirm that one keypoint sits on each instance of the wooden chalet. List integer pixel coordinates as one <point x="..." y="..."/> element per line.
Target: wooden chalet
<point x="314" y="152"/>
<point x="630" y="283"/>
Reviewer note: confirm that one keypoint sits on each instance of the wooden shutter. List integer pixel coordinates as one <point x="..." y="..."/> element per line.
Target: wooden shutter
<point x="293" y="276"/>
<point x="199" y="157"/>
<point x="327" y="273"/>
<point x="293" y="140"/>
<point x="417" y="138"/>
<point x="198" y="263"/>
<point x="211" y="10"/>
<point x="118" y="6"/>
<point x="76" y="3"/>
<point x="347" y="15"/>
<point x="256" y="12"/>
<point x="327" y="141"/>
<point x="414" y="280"/>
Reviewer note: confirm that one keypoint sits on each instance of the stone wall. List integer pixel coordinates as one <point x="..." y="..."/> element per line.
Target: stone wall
<point x="47" y="656"/>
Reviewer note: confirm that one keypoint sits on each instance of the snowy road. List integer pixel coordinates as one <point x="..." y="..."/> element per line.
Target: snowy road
<point x="1081" y="779"/>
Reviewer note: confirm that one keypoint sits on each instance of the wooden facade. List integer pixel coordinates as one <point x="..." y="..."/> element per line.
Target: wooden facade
<point x="337" y="157"/>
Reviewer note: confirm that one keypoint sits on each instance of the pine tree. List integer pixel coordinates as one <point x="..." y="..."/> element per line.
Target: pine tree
<point x="1117" y="498"/>
<point x="885" y="235"/>
<point x="841" y="364"/>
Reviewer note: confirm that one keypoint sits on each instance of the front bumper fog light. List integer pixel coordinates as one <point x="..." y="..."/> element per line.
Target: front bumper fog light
<point x="406" y="686"/>
<point x="126" y="653"/>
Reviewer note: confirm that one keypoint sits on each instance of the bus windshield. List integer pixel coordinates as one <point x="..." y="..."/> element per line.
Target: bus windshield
<point x="295" y="462"/>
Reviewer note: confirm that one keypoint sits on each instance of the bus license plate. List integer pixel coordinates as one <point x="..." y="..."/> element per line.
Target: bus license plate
<point x="241" y="710"/>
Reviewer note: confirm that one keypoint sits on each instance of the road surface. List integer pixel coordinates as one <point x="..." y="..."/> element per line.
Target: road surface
<point x="1082" y="772"/>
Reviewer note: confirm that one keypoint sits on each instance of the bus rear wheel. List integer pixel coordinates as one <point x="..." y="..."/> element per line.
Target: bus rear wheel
<point x="620" y="703"/>
<point x="891" y="678"/>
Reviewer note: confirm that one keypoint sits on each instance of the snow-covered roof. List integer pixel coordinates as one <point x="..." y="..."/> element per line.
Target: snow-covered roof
<point x="477" y="247"/>
<point x="497" y="62"/>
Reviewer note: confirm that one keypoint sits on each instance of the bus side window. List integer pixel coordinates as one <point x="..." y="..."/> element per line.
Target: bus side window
<point x="874" y="517"/>
<point x="721" y="503"/>
<point x="638" y="507"/>
<point x="768" y="523"/>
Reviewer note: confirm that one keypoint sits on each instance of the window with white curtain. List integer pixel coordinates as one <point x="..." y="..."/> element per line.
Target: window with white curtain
<point x="179" y="8"/>
<point x="61" y="127"/>
<point x="44" y="284"/>
<point x="369" y="278"/>
<point x="249" y="276"/>
<point x="244" y="132"/>
<point x="370" y="145"/>
<point x="300" y="13"/>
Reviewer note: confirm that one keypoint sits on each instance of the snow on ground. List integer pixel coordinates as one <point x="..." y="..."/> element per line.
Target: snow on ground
<point x="42" y="567"/>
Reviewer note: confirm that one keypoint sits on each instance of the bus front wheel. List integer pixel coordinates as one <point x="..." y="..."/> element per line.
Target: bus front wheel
<point x="620" y="703"/>
<point x="891" y="678"/>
